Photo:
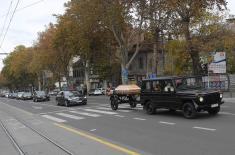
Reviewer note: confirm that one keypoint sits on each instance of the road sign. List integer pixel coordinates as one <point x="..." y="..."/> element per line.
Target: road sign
<point x="218" y="65"/>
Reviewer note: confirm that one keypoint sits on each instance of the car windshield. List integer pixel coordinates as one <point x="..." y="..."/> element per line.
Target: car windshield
<point x="71" y="94"/>
<point x="40" y="93"/>
<point x="188" y="83"/>
<point x="27" y="94"/>
<point x="20" y="93"/>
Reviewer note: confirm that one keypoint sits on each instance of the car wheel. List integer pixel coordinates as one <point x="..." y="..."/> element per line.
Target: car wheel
<point x="85" y="103"/>
<point x="114" y="103"/>
<point x="214" y="111"/>
<point x="36" y="100"/>
<point x="150" y="109"/>
<point x="189" y="110"/>
<point x="66" y="103"/>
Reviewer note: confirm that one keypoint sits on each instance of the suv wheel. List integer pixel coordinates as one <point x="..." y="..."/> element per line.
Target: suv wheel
<point x="150" y="109"/>
<point x="189" y="110"/>
<point x="214" y="111"/>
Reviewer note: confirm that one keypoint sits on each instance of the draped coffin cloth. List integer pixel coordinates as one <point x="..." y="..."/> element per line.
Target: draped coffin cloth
<point x="127" y="89"/>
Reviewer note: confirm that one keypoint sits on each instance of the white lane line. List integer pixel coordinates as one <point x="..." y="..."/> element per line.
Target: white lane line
<point x="102" y="112"/>
<point x="168" y="123"/>
<point x="54" y="118"/>
<point x="109" y="109"/>
<point x="121" y="116"/>
<point x="70" y="116"/>
<point x="36" y="107"/>
<point x="85" y="113"/>
<point x="141" y="119"/>
<point x="93" y="130"/>
<point x="202" y="128"/>
<point x="227" y="113"/>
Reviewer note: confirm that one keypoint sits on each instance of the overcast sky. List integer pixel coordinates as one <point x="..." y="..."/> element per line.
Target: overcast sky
<point x="28" y="21"/>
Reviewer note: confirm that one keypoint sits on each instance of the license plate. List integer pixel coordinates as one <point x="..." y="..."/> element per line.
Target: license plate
<point x="214" y="105"/>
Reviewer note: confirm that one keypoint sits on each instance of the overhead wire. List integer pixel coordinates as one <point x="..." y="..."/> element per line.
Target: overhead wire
<point x="27" y="6"/>
<point x="5" y="20"/>
<point x="9" y="23"/>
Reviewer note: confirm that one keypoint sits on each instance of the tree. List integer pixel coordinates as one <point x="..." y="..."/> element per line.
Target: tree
<point x="188" y="12"/>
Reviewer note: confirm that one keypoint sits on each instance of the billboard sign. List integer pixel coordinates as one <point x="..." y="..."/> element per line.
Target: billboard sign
<point x="218" y="64"/>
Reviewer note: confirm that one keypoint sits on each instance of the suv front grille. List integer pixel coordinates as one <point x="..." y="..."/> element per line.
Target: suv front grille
<point x="212" y="98"/>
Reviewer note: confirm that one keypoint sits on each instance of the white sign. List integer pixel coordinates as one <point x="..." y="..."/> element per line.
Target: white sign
<point x="218" y="64"/>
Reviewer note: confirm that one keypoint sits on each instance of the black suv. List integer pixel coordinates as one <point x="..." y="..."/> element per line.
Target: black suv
<point x="180" y="93"/>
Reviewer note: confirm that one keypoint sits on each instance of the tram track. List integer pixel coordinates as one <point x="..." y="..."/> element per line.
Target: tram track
<point x="17" y="146"/>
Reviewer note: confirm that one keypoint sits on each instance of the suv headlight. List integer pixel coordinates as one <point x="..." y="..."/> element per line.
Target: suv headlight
<point x="221" y="95"/>
<point x="201" y="99"/>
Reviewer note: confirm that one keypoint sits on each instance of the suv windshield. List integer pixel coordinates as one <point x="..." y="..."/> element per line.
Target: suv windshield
<point x="188" y="83"/>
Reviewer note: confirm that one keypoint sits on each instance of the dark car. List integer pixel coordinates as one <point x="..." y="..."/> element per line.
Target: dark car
<point x="27" y="96"/>
<point x="68" y="98"/>
<point x="40" y="96"/>
<point x="180" y="93"/>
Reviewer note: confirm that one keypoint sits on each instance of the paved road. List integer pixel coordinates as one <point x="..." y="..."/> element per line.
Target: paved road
<point x="164" y="133"/>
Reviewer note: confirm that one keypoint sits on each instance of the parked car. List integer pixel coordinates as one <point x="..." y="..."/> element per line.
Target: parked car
<point x="19" y="95"/>
<point x="179" y="93"/>
<point x="40" y="96"/>
<point x="14" y="95"/>
<point x="68" y="98"/>
<point x="27" y="96"/>
<point x="95" y="92"/>
<point x="103" y="91"/>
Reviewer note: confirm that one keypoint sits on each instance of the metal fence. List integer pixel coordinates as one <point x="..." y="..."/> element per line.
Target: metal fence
<point x="217" y="81"/>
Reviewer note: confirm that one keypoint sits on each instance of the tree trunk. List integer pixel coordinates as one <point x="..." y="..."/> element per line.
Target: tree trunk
<point x="196" y="67"/>
<point x="60" y="82"/>
<point x="87" y="76"/>
<point x="155" y="50"/>
<point x="39" y="83"/>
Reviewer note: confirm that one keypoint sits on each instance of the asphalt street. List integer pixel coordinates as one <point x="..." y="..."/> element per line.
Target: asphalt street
<point x="164" y="133"/>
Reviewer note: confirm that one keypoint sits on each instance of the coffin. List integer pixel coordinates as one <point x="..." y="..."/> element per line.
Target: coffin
<point x="127" y="89"/>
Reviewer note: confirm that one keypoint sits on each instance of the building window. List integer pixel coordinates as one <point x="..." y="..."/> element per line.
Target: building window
<point x="141" y="64"/>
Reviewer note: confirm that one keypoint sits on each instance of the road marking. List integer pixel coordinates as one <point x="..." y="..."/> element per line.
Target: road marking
<point x="93" y="130"/>
<point x="70" y="116"/>
<point x="121" y="116"/>
<point x="102" y="112"/>
<point x="168" y="123"/>
<point x="85" y="113"/>
<point x="109" y="109"/>
<point x="35" y="107"/>
<point x="99" y="140"/>
<point x="141" y="119"/>
<point x="202" y="128"/>
<point x="227" y="113"/>
<point x="54" y="118"/>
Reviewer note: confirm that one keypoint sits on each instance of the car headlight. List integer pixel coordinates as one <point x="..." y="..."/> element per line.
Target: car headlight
<point x="84" y="96"/>
<point x="221" y="95"/>
<point x="201" y="99"/>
